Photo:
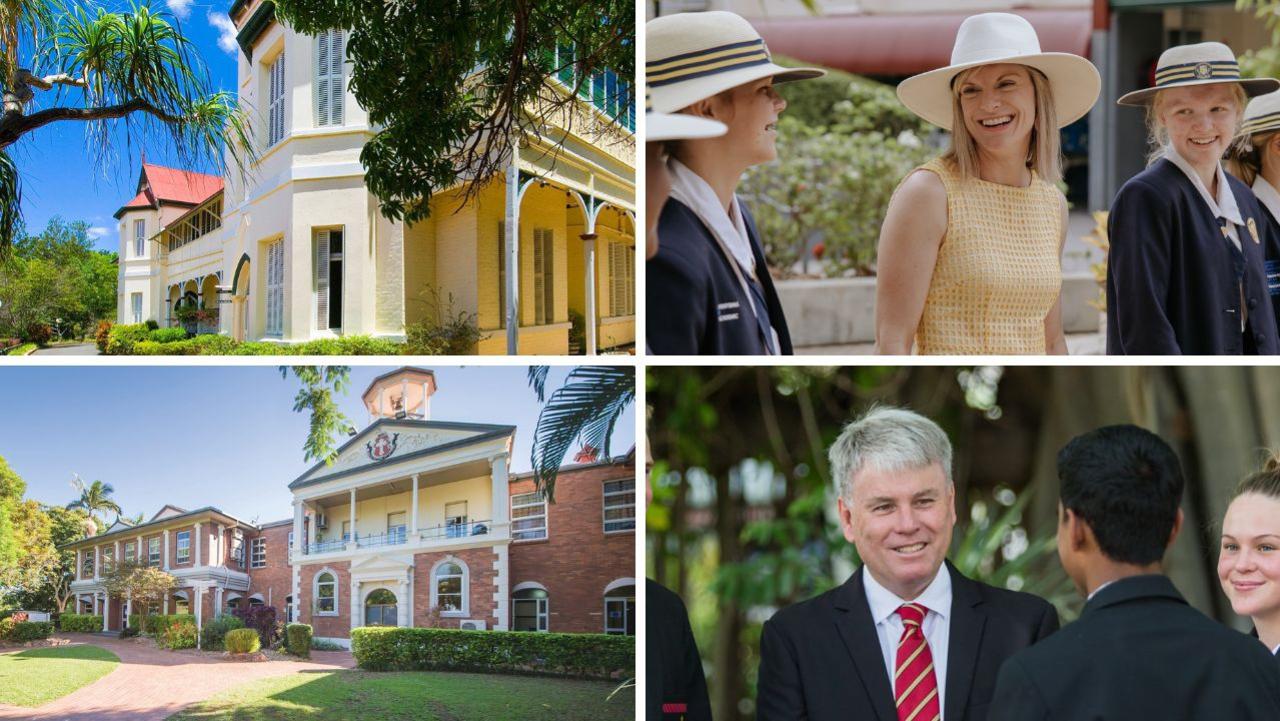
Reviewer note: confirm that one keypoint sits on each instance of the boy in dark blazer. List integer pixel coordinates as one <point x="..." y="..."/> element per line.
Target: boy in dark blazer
<point x="1138" y="651"/>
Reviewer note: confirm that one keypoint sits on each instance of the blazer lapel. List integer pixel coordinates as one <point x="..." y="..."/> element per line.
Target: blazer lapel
<point x="858" y="631"/>
<point x="967" y="624"/>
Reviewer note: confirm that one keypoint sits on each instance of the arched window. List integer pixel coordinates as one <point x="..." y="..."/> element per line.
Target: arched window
<point x="255" y="602"/>
<point x="380" y="608"/>
<point x="620" y="610"/>
<point x="181" y="605"/>
<point x="449" y="587"/>
<point x="288" y="610"/>
<point x="326" y="594"/>
<point x="529" y="609"/>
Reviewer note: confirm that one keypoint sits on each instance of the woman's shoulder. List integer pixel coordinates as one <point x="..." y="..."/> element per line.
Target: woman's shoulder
<point x="924" y="187"/>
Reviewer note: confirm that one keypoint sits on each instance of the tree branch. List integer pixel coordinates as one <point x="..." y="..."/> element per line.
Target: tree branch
<point x="48" y="81"/>
<point x="14" y="126"/>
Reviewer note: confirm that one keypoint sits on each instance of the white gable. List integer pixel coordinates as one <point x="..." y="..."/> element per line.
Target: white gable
<point x="389" y="442"/>
<point x="167" y="512"/>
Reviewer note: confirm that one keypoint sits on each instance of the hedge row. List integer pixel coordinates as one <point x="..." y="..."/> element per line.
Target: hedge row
<point x="581" y="655"/>
<point x="156" y="621"/>
<point x="16" y="627"/>
<point x="139" y="339"/>
<point x="82" y="622"/>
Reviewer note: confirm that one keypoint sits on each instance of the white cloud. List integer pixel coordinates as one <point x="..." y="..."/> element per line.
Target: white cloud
<point x="97" y="232"/>
<point x="181" y="8"/>
<point x="226" y="30"/>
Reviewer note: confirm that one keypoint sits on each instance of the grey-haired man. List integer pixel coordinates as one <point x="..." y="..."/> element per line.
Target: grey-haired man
<point x="907" y="637"/>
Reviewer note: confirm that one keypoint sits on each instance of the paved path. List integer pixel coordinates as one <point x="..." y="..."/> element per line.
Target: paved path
<point x="150" y="684"/>
<point x="77" y="349"/>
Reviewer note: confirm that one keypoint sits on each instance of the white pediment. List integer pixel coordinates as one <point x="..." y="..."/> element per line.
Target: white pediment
<point x="386" y="443"/>
<point x="167" y="512"/>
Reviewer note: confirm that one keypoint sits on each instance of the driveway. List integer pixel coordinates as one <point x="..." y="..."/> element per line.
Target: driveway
<point x="150" y="684"/>
<point x="76" y="349"/>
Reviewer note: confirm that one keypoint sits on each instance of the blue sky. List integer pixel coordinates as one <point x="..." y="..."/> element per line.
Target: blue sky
<point x="223" y="436"/>
<point x="54" y="163"/>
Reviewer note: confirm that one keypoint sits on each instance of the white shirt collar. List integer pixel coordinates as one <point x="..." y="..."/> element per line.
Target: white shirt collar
<point x="885" y="603"/>
<point x="1099" y="588"/>
<point x="1223" y="206"/>
<point x="1268" y="195"/>
<point x="689" y="188"/>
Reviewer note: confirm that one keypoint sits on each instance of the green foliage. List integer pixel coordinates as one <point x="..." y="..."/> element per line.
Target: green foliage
<point x="154" y="623"/>
<point x="179" y="634"/>
<point x="147" y="586"/>
<point x="167" y="335"/>
<point x="328" y="422"/>
<point x="243" y="640"/>
<point x="121" y="339"/>
<point x="441" y="331"/>
<point x="101" y="334"/>
<point x="297" y="639"/>
<point x="12" y="488"/>
<point x="844" y="144"/>
<point x="24" y="349"/>
<point x="484" y="69"/>
<point x="56" y="278"/>
<point x="213" y="344"/>
<point x="214" y="632"/>
<point x="320" y="644"/>
<point x="80" y="622"/>
<point x="586" y="407"/>
<point x="586" y="655"/>
<point x="24" y="631"/>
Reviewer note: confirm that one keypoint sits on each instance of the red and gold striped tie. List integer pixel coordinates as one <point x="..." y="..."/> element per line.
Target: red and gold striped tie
<point x="915" y="687"/>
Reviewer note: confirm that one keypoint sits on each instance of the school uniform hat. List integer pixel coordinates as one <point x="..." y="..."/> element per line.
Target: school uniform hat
<point x="992" y="38"/>
<point x="1262" y="114"/>
<point x="1198" y="64"/>
<point x="694" y="56"/>
<point x="678" y="126"/>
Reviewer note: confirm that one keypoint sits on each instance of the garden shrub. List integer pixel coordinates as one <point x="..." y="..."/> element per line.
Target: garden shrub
<point x="213" y="633"/>
<point x="101" y="333"/>
<point x="151" y="324"/>
<point x="581" y="655"/>
<point x="7" y="623"/>
<point x="30" y="631"/>
<point x="121" y="338"/>
<point x="298" y="639"/>
<point x="154" y="623"/>
<point x="441" y="330"/>
<point x="39" y="333"/>
<point x="82" y="622"/>
<point x="167" y="335"/>
<point x="347" y="345"/>
<point x="321" y="644"/>
<point x="262" y="619"/>
<point x="242" y="640"/>
<point x="177" y="634"/>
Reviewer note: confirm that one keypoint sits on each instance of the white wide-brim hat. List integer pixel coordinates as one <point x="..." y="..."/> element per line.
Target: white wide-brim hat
<point x="992" y="38"/>
<point x="694" y="56"/>
<point x="678" y="126"/>
<point x="1198" y="64"/>
<point x="1262" y="114"/>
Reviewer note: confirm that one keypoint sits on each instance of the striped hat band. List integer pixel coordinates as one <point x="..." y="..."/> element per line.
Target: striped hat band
<point x="1190" y="72"/>
<point x="711" y="61"/>
<point x="1270" y="121"/>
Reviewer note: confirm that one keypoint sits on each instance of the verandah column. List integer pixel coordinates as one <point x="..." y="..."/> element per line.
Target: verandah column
<point x="512" y="235"/>
<point x="501" y="493"/>
<point x="197" y="559"/>
<point x="589" y="263"/>
<point x="413" y="516"/>
<point x="352" y="541"/>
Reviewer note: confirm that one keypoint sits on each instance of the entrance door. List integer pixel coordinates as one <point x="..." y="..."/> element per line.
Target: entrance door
<point x="380" y="609"/>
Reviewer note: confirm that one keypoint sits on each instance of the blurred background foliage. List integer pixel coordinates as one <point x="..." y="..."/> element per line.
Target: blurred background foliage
<point x="743" y="517"/>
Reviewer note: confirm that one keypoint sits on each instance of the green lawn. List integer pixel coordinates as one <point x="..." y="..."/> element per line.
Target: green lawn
<point x="40" y="675"/>
<point x="416" y="696"/>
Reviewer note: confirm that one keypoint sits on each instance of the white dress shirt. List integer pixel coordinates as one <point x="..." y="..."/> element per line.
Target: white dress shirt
<point x="1223" y="206"/>
<point x="1268" y="195"/>
<point x="937" y="624"/>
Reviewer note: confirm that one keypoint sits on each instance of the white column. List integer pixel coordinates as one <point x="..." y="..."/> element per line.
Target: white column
<point x="97" y="599"/>
<point x="217" y="600"/>
<point x="197" y="534"/>
<point x="513" y="253"/>
<point x="352" y="541"/>
<point x="165" y="609"/>
<point x="413" y="510"/>
<point x="116" y="558"/>
<point x="402" y="608"/>
<point x="298" y="540"/>
<point x="97" y="561"/>
<point x="589" y="260"/>
<point x="165" y="564"/>
<point x="106" y="611"/>
<point x="353" y="603"/>
<point x="426" y="402"/>
<point x="79" y="566"/>
<point x="501" y="494"/>
<point x="311" y="527"/>
<point x="139" y="557"/>
<point x="199" y="612"/>
<point x="128" y="608"/>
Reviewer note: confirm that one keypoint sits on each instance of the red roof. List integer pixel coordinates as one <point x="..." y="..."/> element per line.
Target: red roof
<point x="159" y="185"/>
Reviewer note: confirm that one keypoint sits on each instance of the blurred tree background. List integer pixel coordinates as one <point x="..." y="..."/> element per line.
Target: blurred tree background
<point x="743" y="519"/>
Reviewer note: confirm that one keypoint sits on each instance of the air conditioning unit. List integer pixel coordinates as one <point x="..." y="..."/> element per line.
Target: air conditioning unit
<point x="321" y="521"/>
<point x="472" y="625"/>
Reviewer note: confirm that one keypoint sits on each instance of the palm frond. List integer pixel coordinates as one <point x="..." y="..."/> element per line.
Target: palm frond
<point x="587" y="405"/>
<point x="538" y="381"/>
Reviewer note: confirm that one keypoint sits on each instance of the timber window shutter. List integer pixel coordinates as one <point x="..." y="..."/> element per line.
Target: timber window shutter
<point x="329" y="89"/>
<point x="322" y="280"/>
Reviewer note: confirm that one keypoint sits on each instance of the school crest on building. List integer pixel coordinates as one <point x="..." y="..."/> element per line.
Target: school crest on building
<point x="382" y="446"/>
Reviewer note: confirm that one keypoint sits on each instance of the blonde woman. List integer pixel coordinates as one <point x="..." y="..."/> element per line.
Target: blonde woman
<point x="969" y="259"/>
<point x="1255" y="159"/>
<point x="1185" y="272"/>
<point x="1249" y="559"/>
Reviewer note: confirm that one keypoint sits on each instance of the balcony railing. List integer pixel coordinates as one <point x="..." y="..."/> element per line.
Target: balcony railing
<point x="400" y="536"/>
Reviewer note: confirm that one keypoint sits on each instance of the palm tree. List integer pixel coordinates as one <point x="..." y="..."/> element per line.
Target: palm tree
<point x="96" y="66"/>
<point x="95" y="497"/>
<point x="586" y="407"/>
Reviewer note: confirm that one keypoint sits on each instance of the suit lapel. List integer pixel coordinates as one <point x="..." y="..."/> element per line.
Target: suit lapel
<point x="858" y="631"/>
<point x="967" y="624"/>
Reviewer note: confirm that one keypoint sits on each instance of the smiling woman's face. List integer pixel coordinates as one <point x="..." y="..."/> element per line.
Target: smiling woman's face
<point x="751" y="111"/>
<point x="1249" y="558"/>
<point x="999" y="106"/>
<point x="1201" y="120"/>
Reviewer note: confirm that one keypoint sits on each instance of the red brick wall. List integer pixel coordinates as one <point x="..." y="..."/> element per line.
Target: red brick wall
<point x="577" y="560"/>
<point x="327" y="626"/>
<point x="275" y="580"/>
<point x="480" y="574"/>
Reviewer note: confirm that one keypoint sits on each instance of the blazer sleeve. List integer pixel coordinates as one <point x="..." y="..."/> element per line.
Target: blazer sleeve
<point x="779" y="691"/>
<point x="694" y="682"/>
<point x="675" y="305"/>
<point x="1048" y="623"/>
<point x="1016" y="697"/>
<point x="1138" y="267"/>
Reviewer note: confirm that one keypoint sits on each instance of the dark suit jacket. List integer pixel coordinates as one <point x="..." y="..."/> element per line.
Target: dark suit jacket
<point x="694" y="304"/>
<point x="820" y="660"/>
<point x="672" y="665"/>
<point x="1173" y="281"/>
<point x="1271" y="244"/>
<point x="1139" y="651"/>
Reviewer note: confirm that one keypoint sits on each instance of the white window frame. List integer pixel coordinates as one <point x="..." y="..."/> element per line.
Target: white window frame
<point x="322" y="280"/>
<point x="276" y="94"/>
<point x="466" y="587"/>
<point x="401" y="529"/>
<point x="237" y="550"/>
<point x="258" y="553"/>
<point x="140" y="238"/>
<point x="315" y="592"/>
<point x="108" y="558"/>
<point x="130" y="552"/>
<point x="153" y="553"/>
<point x="135" y="303"/>
<point x="605" y="507"/>
<point x="328" y="89"/>
<point x="274" y="252"/>
<point x="522" y="501"/>
<point x="542" y="606"/>
<point x="86" y="565"/>
<point x="628" y="610"/>
<point x="449" y="523"/>
<point x="183" y="541"/>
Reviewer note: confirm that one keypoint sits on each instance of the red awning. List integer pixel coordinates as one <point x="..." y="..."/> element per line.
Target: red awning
<point x="900" y="45"/>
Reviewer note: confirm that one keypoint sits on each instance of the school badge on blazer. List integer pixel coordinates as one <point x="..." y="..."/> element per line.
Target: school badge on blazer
<point x="1253" y="230"/>
<point x="674" y="711"/>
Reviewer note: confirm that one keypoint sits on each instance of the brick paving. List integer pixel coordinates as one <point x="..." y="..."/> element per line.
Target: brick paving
<point x="151" y="684"/>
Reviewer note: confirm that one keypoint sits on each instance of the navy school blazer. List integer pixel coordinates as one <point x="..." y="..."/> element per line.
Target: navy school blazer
<point x="694" y="304"/>
<point x="1272" y="248"/>
<point x="1173" y="280"/>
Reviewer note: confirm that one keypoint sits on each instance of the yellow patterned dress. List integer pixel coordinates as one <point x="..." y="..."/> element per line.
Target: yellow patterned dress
<point x="999" y="268"/>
